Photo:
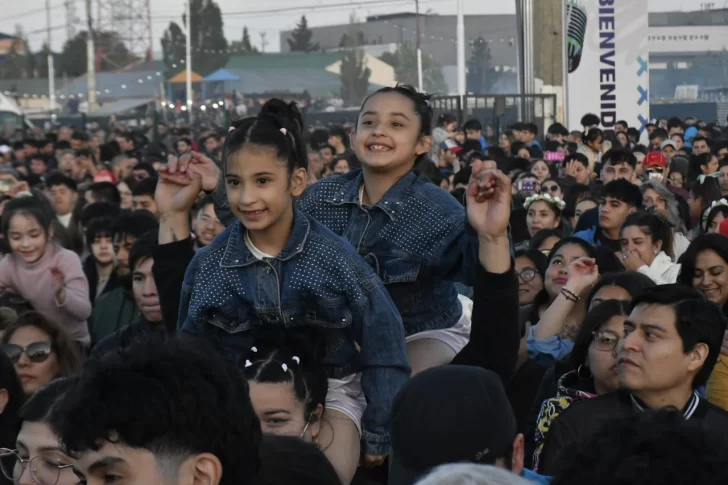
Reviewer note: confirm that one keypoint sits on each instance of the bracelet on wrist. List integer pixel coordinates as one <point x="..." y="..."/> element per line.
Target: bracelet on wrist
<point x="570" y="295"/>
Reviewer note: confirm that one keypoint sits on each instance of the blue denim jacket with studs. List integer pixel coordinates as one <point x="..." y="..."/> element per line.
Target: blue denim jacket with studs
<point x="319" y="281"/>
<point x="416" y="238"/>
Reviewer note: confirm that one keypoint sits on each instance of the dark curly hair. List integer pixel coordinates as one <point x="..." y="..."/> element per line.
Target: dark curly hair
<point x="647" y="448"/>
<point x="175" y="399"/>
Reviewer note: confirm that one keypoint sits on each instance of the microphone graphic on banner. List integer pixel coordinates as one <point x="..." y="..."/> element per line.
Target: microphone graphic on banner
<point x="576" y="32"/>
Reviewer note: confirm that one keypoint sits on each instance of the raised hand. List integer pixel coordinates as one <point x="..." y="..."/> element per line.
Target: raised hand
<point x="198" y="163"/>
<point x="58" y="285"/>
<point x="582" y="275"/>
<point x="177" y="192"/>
<point x="489" y="201"/>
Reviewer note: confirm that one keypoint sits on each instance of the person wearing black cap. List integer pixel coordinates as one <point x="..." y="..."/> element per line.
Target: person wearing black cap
<point x="454" y="414"/>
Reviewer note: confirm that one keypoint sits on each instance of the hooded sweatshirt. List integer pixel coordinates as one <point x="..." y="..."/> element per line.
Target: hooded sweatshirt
<point x="33" y="282"/>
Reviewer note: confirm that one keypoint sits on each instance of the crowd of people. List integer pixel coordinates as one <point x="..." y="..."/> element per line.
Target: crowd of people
<point x="400" y="301"/>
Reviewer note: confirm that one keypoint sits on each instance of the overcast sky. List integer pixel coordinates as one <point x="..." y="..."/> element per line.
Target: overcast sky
<point x="281" y="15"/>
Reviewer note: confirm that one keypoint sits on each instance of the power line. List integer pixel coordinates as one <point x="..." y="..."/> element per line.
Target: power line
<point x="32" y="12"/>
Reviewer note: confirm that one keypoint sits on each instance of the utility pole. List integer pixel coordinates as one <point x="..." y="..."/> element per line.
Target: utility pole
<point x="188" y="57"/>
<point x="419" y="46"/>
<point x="263" y="41"/>
<point x="90" y="59"/>
<point x="461" y="49"/>
<point x="51" y="69"/>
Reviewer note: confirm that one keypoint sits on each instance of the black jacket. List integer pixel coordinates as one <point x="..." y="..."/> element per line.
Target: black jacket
<point x="580" y="421"/>
<point x="140" y="331"/>
<point x="170" y="263"/>
<point x="92" y="275"/>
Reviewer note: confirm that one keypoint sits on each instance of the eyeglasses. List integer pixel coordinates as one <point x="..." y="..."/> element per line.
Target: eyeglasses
<point x="655" y="170"/>
<point x="37" y="351"/>
<point x="528" y="274"/>
<point x="549" y="188"/>
<point x="43" y="470"/>
<point x="605" y="340"/>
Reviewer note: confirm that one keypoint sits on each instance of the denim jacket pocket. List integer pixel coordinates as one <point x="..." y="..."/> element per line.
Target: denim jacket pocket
<point x="232" y="317"/>
<point x="332" y="313"/>
<point x="397" y="270"/>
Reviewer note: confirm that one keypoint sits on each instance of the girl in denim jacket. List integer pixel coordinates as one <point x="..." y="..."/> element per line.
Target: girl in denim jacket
<point x="279" y="268"/>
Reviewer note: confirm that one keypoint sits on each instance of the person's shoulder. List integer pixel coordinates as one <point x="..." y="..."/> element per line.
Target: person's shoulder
<point x="715" y="416"/>
<point x="330" y="185"/>
<point x="595" y="409"/>
<point x="64" y="255"/>
<point x="423" y="194"/>
<point x="320" y="234"/>
<point x="586" y="234"/>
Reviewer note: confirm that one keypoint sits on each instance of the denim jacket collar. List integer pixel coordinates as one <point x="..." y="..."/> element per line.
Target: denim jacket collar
<point x="237" y="253"/>
<point x="349" y="193"/>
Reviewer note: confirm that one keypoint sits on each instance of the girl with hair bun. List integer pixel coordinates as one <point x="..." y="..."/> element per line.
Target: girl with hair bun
<point x="276" y="267"/>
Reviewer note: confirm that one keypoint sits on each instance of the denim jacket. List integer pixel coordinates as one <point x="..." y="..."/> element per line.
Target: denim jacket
<point x="416" y="238"/>
<point x="317" y="281"/>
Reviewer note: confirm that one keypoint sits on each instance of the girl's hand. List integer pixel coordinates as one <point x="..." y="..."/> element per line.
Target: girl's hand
<point x="197" y="163"/>
<point x="489" y="201"/>
<point x="632" y="260"/>
<point x="176" y="191"/>
<point x="57" y="282"/>
<point x="582" y="275"/>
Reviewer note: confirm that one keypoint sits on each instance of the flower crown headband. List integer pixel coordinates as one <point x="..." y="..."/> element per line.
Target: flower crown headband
<point x="721" y="202"/>
<point x="548" y="198"/>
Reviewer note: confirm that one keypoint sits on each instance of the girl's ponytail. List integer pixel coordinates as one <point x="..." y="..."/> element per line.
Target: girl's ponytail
<point x="279" y="125"/>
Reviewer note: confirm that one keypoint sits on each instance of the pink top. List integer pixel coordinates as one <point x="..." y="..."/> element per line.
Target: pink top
<point x="33" y="282"/>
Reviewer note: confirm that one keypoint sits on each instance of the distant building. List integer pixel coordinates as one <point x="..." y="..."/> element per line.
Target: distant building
<point x="674" y="37"/>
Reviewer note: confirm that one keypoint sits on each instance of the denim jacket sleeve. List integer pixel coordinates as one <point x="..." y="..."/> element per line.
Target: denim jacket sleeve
<point x="378" y="329"/>
<point x="548" y="351"/>
<point x="459" y="254"/>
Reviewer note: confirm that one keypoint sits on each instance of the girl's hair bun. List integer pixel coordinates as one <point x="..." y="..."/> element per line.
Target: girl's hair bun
<point x="287" y="113"/>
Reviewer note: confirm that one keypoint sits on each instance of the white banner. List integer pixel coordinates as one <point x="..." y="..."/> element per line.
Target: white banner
<point x="608" y="61"/>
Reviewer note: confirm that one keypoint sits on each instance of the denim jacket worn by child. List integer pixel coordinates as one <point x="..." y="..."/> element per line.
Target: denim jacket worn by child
<point x="417" y="238"/>
<point x="317" y="281"/>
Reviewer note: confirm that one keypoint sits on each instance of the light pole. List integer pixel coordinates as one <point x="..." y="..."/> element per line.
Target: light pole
<point x="188" y="58"/>
<point x="461" y="49"/>
<point x="51" y="69"/>
<point x="419" y="47"/>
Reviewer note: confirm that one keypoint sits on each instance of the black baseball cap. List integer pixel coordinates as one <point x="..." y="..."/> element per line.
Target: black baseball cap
<point x="446" y="415"/>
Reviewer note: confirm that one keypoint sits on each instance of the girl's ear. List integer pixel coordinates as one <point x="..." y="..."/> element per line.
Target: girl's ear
<point x="299" y="177"/>
<point x="424" y="145"/>
<point x="658" y="246"/>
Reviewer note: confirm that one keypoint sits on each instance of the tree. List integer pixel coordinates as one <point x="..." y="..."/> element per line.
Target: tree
<point x="244" y="46"/>
<point x="16" y="65"/>
<point x="209" y="46"/>
<point x="481" y="76"/>
<point x="112" y="53"/>
<point x="300" y="40"/>
<point x="354" y="71"/>
<point x="41" y="61"/>
<point x="404" y="62"/>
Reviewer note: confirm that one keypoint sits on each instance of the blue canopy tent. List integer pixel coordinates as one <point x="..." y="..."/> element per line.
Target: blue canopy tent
<point x="220" y="76"/>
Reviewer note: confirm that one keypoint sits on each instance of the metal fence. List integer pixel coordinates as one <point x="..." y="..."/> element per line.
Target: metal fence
<point x="500" y="110"/>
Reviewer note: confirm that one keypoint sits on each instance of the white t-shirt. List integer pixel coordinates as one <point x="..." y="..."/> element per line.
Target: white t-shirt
<point x="257" y="253"/>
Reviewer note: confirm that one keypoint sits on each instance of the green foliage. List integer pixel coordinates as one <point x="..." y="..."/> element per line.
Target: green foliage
<point x="113" y="54"/>
<point x="209" y="46"/>
<point x="354" y="71"/>
<point x="481" y="76"/>
<point x="404" y="62"/>
<point x="243" y="47"/>
<point x="301" y="36"/>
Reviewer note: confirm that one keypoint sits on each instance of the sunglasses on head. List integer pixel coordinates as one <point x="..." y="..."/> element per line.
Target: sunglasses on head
<point x="36" y="352"/>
